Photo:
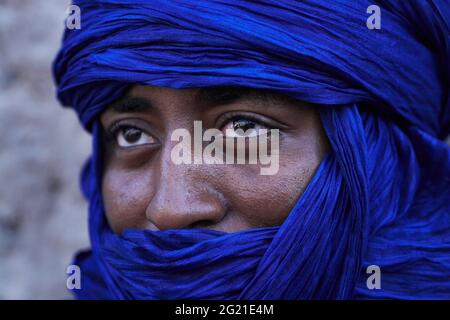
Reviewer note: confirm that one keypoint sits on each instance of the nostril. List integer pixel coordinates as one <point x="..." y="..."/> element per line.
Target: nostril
<point x="203" y="224"/>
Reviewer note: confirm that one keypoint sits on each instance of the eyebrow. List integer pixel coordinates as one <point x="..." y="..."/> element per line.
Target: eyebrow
<point x="209" y="96"/>
<point x="131" y="104"/>
<point x="213" y="96"/>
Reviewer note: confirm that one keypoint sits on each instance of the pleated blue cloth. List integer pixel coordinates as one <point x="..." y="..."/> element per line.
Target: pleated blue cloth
<point x="380" y="197"/>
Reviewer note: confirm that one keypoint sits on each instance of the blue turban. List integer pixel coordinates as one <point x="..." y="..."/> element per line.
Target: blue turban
<point x="380" y="197"/>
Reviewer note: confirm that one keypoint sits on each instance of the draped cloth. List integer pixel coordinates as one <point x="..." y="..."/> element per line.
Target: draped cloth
<point x="380" y="197"/>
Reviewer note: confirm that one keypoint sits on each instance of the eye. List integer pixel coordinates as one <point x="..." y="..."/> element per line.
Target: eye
<point x="127" y="136"/>
<point x="240" y="127"/>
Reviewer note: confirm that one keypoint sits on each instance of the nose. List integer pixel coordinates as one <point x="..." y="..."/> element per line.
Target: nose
<point x="184" y="197"/>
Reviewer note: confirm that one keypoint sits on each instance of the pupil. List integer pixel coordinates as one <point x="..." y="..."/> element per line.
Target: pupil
<point x="243" y="125"/>
<point x="132" y="135"/>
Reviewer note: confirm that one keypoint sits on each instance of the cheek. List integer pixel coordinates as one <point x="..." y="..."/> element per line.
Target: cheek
<point x="267" y="200"/>
<point x="125" y="196"/>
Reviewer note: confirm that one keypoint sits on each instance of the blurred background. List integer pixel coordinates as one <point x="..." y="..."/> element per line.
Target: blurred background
<point x="43" y="217"/>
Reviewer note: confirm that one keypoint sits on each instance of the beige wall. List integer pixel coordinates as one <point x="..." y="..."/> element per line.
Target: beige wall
<point x="42" y="214"/>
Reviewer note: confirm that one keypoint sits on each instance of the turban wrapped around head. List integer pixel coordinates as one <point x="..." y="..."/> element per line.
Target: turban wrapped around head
<point x="380" y="197"/>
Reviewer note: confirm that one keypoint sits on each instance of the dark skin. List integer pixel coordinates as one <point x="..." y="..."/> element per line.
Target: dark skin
<point x="143" y="189"/>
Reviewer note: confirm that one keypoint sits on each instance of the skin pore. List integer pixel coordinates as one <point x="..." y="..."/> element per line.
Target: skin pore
<point x="144" y="189"/>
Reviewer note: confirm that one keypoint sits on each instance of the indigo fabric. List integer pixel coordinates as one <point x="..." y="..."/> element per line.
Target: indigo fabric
<point x="380" y="197"/>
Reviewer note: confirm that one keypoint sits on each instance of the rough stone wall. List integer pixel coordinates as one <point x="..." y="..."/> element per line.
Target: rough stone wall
<point x="42" y="213"/>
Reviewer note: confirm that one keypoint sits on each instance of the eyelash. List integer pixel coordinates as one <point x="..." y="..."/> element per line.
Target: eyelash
<point x="116" y="127"/>
<point x="233" y="116"/>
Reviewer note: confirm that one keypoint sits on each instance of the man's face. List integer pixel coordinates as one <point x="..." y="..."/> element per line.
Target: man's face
<point x="143" y="188"/>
